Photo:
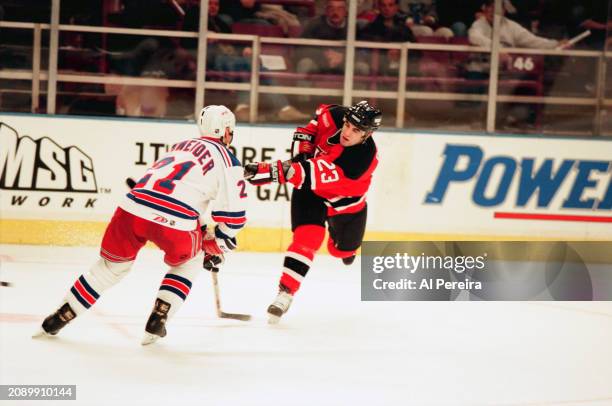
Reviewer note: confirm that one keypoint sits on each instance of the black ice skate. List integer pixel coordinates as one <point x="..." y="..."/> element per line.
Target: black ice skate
<point x="280" y="306"/>
<point x="56" y="321"/>
<point x="348" y="260"/>
<point x="156" y="325"/>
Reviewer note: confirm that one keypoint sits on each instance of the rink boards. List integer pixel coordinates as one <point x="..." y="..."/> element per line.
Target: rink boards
<point x="61" y="179"/>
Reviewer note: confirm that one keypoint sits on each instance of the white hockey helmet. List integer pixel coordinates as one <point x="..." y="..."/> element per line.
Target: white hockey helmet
<point x="214" y="120"/>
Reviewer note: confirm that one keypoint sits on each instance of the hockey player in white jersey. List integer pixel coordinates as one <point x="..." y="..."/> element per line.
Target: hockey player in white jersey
<point x="166" y="207"/>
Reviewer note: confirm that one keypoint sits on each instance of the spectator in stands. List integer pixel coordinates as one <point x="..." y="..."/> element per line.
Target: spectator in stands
<point x="233" y="11"/>
<point x="129" y="54"/>
<point x="512" y="34"/>
<point x="141" y="101"/>
<point x="331" y="26"/>
<point x="366" y="12"/>
<point x="227" y="57"/>
<point x="389" y="26"/>
<point x="250" y="12"/>
<point x="423" y="19"/>
<point x="216" y="23"/>
<point x="278" y="16"/>
<point x="457" y="15"/>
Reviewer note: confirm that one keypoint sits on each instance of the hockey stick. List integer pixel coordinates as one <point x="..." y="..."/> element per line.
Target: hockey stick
<point x="130" y="183"/>
<point x="220" y="313"/>
<point x="574" y="40"/>
<point x="5" y="284"/>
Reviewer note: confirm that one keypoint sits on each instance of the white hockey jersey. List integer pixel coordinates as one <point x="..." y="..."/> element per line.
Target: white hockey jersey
<point x="176" y="191"/>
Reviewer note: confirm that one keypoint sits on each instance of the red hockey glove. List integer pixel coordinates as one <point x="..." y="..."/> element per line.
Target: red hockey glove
<point x="217" y="243"/>
<point x="306" y="147"/>
<point x="211" y="247"/>
<point x="262" y="173"/>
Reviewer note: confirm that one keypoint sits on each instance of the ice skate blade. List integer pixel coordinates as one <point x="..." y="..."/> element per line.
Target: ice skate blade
<point x="149" y="338"/>
<point x="274" y="314"/>
<point x="273" y="319"/>
<point x="40" y="333"/>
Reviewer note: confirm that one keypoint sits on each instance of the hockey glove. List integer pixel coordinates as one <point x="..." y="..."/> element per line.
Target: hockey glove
<point x="217" y="243"/>
<point x="306" y="147"/>
<point x="215" y="246"/>
<point x="212" y="263"/>
<point x="262" y="173"/>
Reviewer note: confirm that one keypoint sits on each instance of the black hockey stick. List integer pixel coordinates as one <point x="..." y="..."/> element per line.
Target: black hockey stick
<point x="220" y="313"/>
<point x="6" y="284"/>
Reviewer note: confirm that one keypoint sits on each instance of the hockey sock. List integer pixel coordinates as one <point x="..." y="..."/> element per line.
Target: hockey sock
<point x="336" y="252"/>
<point x="177" y="283"/>
<point x="306" y="242"/>
<point x="87" y="289"/>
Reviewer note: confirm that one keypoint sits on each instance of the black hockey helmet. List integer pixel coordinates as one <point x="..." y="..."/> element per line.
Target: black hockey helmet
<point x="364" y="116"/>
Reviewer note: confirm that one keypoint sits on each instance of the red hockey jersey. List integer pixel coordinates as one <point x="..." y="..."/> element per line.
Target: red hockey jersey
<point x="340" y="175"/>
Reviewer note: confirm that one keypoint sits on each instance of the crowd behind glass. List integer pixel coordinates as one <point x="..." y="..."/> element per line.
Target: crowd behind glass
<point x="533" y="24"/>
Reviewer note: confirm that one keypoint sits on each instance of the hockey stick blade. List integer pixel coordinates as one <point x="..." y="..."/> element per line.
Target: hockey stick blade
<point x="235" y="316"/>
<point x="5" y="284"/>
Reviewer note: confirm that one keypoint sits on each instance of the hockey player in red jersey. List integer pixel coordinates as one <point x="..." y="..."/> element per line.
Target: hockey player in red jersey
<point x="331" y="176"/>
<point x="165" y="207"/>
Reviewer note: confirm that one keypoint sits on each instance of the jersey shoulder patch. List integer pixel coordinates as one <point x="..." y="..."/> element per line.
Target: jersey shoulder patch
<point x="356" y="160"/>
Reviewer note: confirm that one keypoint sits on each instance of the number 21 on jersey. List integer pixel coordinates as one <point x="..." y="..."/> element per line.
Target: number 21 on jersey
<point x="166" y="185"/>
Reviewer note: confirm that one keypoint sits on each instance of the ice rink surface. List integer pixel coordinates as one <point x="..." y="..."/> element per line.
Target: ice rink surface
<point x="330" y="349"/>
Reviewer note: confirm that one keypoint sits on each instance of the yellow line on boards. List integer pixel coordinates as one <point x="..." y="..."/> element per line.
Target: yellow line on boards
<point x="89" y="233"/>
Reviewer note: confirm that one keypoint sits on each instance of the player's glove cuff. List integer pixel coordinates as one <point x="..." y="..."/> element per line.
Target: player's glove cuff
<point x="217" y="243"/>
<point x="303" y="137"/>
<point x="306" y="146"/>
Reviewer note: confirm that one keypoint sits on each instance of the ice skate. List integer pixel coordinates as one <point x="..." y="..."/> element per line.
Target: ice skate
<point x="348" y="260"/>
<point x="156" y="325"/>
<point x="280" y="306"/>
<point x="55" y="322"/>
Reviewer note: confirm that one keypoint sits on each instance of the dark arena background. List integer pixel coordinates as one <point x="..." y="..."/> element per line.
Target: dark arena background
<point x="496" y="130"/>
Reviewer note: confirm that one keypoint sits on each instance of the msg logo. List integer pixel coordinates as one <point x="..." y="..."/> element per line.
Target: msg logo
<point x="43" y="165"/>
